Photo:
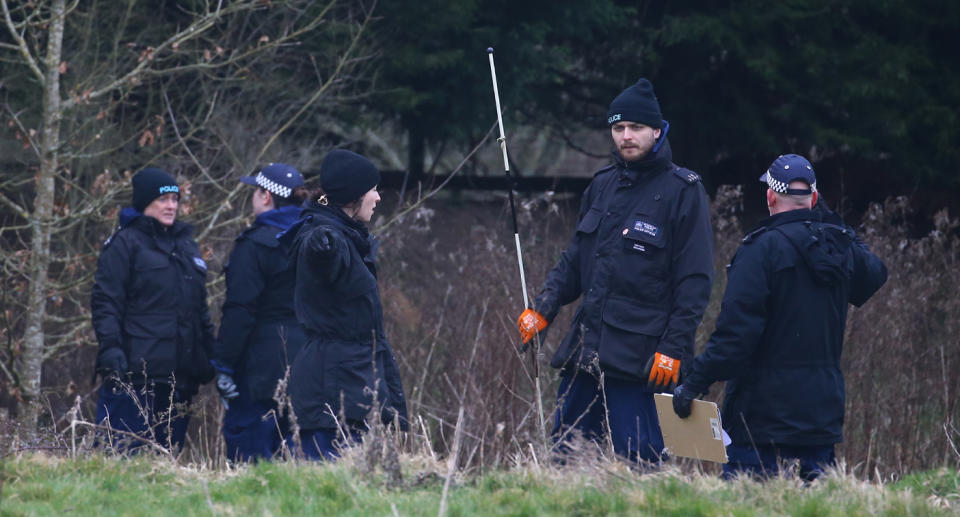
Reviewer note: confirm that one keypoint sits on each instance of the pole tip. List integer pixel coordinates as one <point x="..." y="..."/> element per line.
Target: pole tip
<point x="489" y="50"/>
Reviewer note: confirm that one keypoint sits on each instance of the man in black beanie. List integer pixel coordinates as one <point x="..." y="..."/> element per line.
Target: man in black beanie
<point x="642" y="260"/>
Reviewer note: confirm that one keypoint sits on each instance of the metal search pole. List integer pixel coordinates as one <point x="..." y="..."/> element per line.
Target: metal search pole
<point x="516" y="238"/>
<point x="506" y="170"/>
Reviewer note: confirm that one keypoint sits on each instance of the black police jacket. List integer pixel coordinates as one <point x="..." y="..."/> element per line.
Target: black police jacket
<point x="779" y="334"/>
<point x="642" y="258"/>
<point x="149" y="299"/>
<point x="347" y="357"/>
<point x="259" y="333"/>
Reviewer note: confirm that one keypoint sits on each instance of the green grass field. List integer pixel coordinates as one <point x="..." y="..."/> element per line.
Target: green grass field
<point x="38" y="484"/>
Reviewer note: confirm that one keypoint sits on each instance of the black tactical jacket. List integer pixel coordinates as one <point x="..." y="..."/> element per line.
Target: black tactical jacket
<point x="259" y="332"/>
<point x="150" y="300"/>
<point x="642" y="258"/>
<point x="780" y="331"/>
<point x="347" y="356"/>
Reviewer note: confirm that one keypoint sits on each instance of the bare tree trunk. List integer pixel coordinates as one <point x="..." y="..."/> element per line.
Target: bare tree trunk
<point x="48" y="223"/>
<point x="31" y="360"/>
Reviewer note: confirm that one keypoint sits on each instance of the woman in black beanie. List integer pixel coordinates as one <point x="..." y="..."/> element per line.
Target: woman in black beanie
<point x="347" y="371"/>
<point x="149" y="307"/>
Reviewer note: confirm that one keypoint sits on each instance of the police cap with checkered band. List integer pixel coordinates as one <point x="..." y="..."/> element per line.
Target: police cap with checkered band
<point x="279" y="179"/>
<point x="787" y="169"/>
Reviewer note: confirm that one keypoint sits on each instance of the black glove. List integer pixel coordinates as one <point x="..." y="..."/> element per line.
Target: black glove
<point x="682" y="400"/>
<point x="322" y="240"/>
<point x="112" y="361"/>
<point x="226" y="387"/>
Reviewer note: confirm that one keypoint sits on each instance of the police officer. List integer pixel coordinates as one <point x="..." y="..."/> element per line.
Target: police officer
<point x="259" y="333"/>
<point x="149" y="307"/>
<point x="780" y="331"/>
<point x="642" y="260"/>
<point x="347" y="364"/>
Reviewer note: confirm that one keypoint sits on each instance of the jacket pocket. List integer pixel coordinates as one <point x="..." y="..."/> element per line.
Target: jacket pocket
<point x="356" y="382"/>
<point x="151" y="340"/>
<point x="628" y="315"/>
<point x="644" y="262"/>
<point x="355" y="281"/>
<point x="631" y="333"/>
<point x="152" y="274"/>
<point x="149" y="259"/>
<point x="643" y="235"/>
<point x="590" y="221"/>
<point x="312" y="386"/>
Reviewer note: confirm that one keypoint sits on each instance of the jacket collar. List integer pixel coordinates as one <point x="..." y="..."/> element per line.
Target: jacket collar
<point x="282" y="217"/>
<point x="356" y="231"/>
<point x="335" y="215"/>
<point x="654" y="161"/>
<point x="789" y="216"/>
<point x="129" y="216"/>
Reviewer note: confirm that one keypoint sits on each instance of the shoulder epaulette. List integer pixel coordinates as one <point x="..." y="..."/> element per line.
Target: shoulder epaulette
<point x="112" y="235"/>
<point x="245" y="233"/>
<point x="262" y="235"/>
<point x="688" y="176"/>
<point x="604" y="169"/>
<point x="754" y="234"/>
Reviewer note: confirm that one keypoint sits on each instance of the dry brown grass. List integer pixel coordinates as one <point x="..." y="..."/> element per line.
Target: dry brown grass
<point x="458" y="274"/>
<point x="451" y="294"/>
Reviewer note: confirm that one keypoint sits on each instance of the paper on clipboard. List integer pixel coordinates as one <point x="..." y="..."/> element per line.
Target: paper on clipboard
<point x="699" y="436"/>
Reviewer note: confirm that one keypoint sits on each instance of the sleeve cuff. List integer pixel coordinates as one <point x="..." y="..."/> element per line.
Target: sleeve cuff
<point x="221" y="368"/>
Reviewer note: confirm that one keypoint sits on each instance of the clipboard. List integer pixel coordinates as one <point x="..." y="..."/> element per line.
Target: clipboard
<point x="699" y="436"/>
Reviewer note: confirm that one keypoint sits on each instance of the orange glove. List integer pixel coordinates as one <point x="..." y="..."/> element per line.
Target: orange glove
<point x="530" y="322"/>
<point x="662" y="372"/>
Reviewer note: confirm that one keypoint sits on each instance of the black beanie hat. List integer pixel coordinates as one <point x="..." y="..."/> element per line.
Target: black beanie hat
<point x="636" y="104"/>
<point x="151" y="183"/>
<point x="345" y="176"/>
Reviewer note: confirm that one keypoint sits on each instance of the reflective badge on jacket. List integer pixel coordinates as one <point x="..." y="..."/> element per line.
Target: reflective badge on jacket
<point x="200" y="263"/>
<point x="645" y="227"/>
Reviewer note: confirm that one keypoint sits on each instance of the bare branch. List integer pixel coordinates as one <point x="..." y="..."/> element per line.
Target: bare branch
<point x="193" y="157"/>
<point x="14" y="206"/>
<point x="142" y="69"/>
<point x="344" y="59"/>
<point x="433" y="192"/>
<point x="17" y="228"/>
<point x="235" y="58"/>
<point x="24" y="130"/>
<point x="323" y="88"/>
<point x="8" y="373"/>
<point x="21" y="46"/>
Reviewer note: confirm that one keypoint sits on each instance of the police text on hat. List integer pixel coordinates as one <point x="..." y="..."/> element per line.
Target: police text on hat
<point x="151" y="183"/>
<point x="636" y="104"/>
<point x="789" y="168"/>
